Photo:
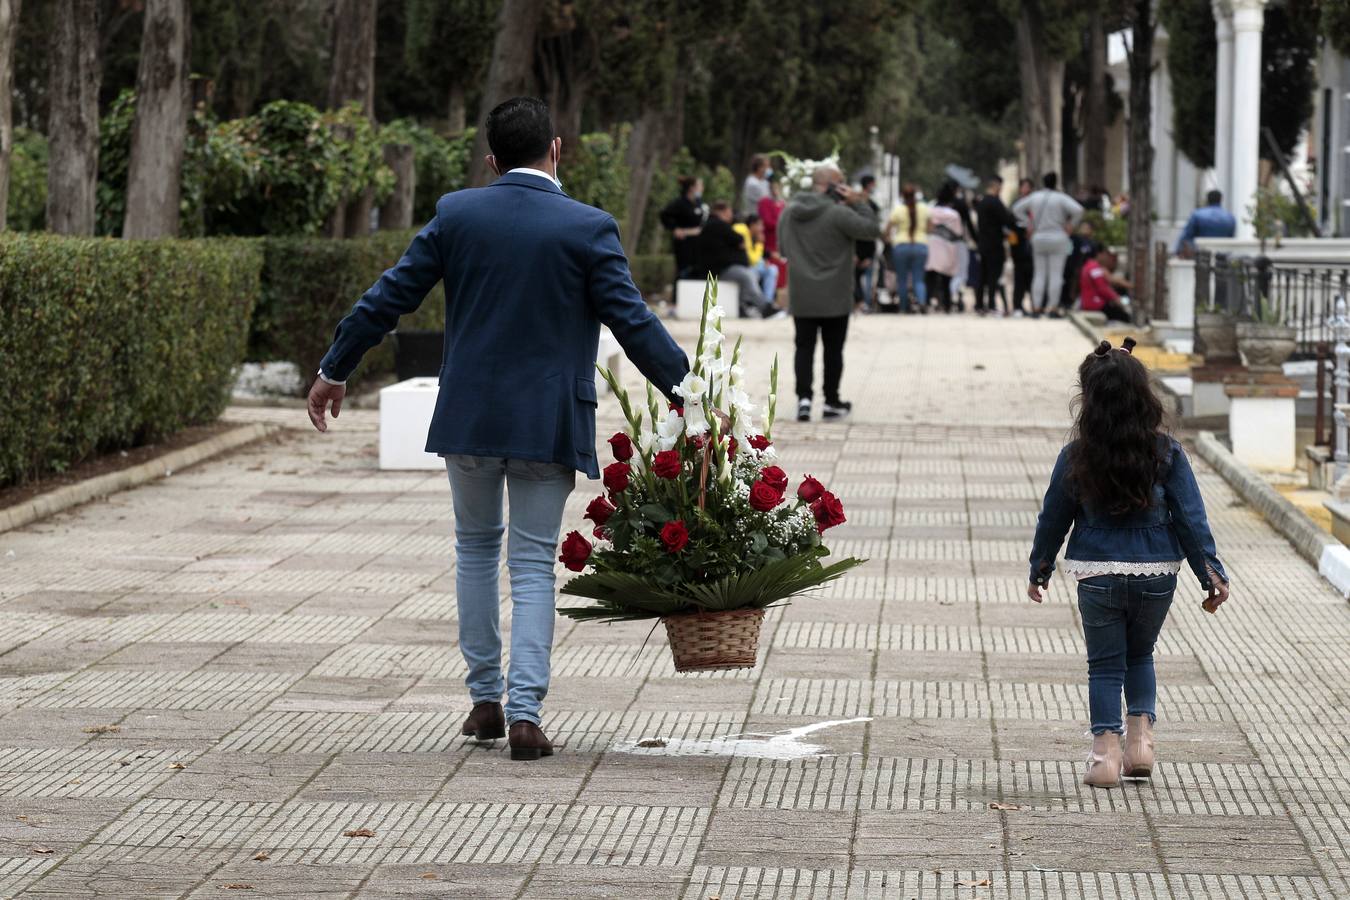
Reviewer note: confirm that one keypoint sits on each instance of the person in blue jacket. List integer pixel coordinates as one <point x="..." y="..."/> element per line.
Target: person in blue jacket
<point x="530" y="274"/>
<point x="1210" y="220"/>
<point x="1127" y="490"/>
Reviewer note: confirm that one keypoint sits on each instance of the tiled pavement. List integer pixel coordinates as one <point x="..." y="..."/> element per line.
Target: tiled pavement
<point x="205" y="682"/>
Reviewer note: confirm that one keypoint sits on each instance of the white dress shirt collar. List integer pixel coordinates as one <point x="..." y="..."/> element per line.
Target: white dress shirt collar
<point x="538" y="173"/>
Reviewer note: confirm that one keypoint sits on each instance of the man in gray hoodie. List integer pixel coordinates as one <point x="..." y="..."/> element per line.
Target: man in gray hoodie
<point x="817" y="235"/>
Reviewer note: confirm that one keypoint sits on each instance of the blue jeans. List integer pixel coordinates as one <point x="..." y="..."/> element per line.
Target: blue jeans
<point x="768" y="279"/>
<point x="909" y="261"/>
<point x="537" y="493"/>
<point x="1122" y="616"/>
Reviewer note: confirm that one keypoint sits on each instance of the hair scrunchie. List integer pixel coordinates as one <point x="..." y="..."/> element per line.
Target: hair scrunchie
<point x="1128" y="345"/>
<point x="1102" y="349"/>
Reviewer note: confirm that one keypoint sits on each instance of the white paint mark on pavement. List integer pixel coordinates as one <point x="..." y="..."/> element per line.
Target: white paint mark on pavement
<point x="783" y="745"/>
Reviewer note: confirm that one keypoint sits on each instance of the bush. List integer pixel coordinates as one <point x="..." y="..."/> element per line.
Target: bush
<point x="653" y="273"/>
<point x="308" y="284"/>
<point x="28" y="181"/>
<point x="596" y="173"/>
<point x="442" y="164"/>
<point x="1109" y="232"/>
<point x="109" y="344"/>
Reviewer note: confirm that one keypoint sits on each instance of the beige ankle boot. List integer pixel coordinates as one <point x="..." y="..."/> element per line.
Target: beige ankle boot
<point x="1104" y="761"/>
<point x="1138" y="747"/>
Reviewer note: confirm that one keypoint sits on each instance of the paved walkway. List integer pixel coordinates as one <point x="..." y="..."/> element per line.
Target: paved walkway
<point x="210" y="684"/>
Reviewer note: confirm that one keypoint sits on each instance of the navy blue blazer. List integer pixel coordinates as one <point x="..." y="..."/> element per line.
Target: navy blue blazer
<point x="530" y="274"/>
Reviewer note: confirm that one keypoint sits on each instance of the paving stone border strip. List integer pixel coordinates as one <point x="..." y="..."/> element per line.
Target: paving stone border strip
<point x="1330" y="556"/>
<point x="63" y="498"/>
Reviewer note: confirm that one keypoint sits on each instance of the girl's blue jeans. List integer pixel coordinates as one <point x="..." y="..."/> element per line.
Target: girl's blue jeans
<point x="1122" y="616"/>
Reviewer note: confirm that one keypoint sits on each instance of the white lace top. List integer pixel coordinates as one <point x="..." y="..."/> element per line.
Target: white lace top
<point x="1080" y="569"/>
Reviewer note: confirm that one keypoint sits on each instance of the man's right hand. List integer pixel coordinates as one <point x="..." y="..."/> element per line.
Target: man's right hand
<point x="320" y="396"/>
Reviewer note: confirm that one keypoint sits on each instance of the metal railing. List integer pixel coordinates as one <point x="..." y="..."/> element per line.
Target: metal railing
<point x="1256" y="288"/>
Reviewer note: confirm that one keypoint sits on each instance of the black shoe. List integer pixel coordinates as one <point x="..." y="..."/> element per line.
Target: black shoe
<point x="803" y="410"/>
<point x="838" y="410"/>
<point x="528" y="741"/>
<point x="486" y="723"/>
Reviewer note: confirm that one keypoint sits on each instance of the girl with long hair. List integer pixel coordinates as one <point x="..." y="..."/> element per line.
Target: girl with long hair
<point x="907" y="233"/>
<point x="1127" y="490"/>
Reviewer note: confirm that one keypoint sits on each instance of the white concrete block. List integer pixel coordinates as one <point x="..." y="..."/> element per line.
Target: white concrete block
<point x="1181" y="293"/>
<point x="689" y="298"/>
<point x="405" y="417"/>
<point x="1208" y="399"/>
<point x="1262" y="432"/>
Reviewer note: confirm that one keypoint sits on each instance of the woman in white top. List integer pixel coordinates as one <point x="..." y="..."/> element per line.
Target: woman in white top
<point x="1049" y="216"/>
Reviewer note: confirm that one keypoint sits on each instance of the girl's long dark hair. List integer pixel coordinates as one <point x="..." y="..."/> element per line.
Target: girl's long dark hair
<point x="912" y="205"/>
<point x="1116" y="453"/>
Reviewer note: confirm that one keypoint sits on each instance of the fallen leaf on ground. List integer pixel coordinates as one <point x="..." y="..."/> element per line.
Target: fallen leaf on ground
<point x="262" y="855"/>
<point x="653" y="742"/>
<point x="359" y="832"/>
<point x="983" y="882"/>
<point x="1004" y="806"/>
<point x="45" y="851"/>
<point x="237" y="886"/>
<point x="429" y="876"/>
<point x="177" y="766"/>
<point x="103" y="729"/>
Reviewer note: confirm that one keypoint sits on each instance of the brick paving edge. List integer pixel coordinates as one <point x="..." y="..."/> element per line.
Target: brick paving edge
<point x="100" y="486"/>
<point x="1330" y="556"/>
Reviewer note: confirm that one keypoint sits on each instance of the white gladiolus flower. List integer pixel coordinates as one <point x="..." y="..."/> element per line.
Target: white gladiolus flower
<point x="715" y="314"/>
<point x="670" y="427"/>
<point x="737" y="373"/>
<point x="695" y="426"/>
<point x="692" y="388"/>
<point x="712" y="338"/>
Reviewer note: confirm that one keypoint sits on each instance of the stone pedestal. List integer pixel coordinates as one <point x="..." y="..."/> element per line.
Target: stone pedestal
<point x="689" y="298"/>
<point x="1261" y="419"/>
<point x="405" y="418"/>
<point x="1208" y="397"/>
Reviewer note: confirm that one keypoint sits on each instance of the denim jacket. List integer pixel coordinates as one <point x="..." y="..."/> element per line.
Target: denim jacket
<point x="1174" y="527"/>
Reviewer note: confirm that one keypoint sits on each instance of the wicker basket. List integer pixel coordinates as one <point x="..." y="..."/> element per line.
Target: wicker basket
<point x="705" y="641"/>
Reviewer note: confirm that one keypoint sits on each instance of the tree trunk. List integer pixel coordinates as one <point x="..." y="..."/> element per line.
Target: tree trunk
<point x="9" y="29"/>
<point x="1094" y="106"/>
<point x="155" y="167"/>
<point x="72" y="120"/>
<point x="656" y="136"/>
<point x="1141" y="153"/>
<point x="510" y="73"/>
<point x="455" y="111"/>
<point x="353" y="73"/>
<point x="1042" y="91"/>
<point x="397" y="212"/>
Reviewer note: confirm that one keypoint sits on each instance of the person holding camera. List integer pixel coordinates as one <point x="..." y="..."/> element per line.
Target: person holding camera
<point x="818" y="234"/>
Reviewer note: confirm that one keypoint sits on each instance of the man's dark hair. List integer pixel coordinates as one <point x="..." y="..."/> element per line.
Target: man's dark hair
<point x="995" y="179"/>
<point x="867" y="181"/>
<point x="519" y="132"/>
<point x="1214" y="198"/>
<point x="1027" y="181"/>
<point x="751" y="219"/>
<point x="720" y="206"/>
<point x="758" y="161"/>
<point x="1050" y="180"/>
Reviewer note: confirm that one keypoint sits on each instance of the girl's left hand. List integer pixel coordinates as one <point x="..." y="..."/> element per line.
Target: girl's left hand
<point x="1034" y="592"/>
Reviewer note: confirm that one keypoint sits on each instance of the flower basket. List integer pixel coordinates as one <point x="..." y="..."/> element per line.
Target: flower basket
<point x="697" y="527"/>
<point x="704" y="641"/>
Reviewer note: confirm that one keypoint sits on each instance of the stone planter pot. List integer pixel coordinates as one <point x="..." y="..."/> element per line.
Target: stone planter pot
<point x="1216" y="335"/>
<point x="1264" y="348"/>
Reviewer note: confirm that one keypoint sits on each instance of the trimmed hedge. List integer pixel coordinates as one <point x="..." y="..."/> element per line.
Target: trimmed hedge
<point x="653" y="273"/>
<point x="309" y="284"/>
<point x="107" y="344"/>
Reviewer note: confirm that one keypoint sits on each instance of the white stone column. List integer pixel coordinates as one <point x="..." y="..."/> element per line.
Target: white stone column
<point x="1248" y="20"/>
<point x="1223" y="99"/>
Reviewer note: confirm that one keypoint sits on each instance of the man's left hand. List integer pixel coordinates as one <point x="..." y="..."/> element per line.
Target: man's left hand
<point x="320" y="396"/>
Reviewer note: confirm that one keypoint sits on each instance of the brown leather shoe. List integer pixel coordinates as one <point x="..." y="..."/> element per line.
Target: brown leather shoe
<point x="528" y="741"/>
<point x="487" y="722"/>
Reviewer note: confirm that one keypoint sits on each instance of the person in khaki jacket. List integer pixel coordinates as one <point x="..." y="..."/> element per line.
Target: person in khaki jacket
<point x="817" y="235"/>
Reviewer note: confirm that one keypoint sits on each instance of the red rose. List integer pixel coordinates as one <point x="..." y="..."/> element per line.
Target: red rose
<point x="622" y="445"/>
<point x="829" y="511"/>
<point x="675" y="536"/>
<point x="575" y="551"/>
<point x="760" y="442"/>
<point x="616" y="477"/>
<point x="731" y="448"/>
<point x="764" y="497"/>
<point x="666" y="464"/>
<point x="600" y="510"/>
<point x="775" y="478"/>
<point x="810" y="490"/>
<point x="600" y="534"/>
<point x="698" y="441"/>
<point x="679" y="410"/>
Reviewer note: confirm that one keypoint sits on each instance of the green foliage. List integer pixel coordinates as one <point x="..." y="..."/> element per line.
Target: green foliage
<point x="442" y="164"/>
<point x="114" y="155"/>
<point x="1192" y="57"/>
<point x="1336" y="24"/>
<point x="653" y="272"/>
<point x="28" y="181"/>
<point x="1274" y="215"/>
<point x="1288" y="72"/>
<point x="109" y="344"/>
<point x="623" y="597"/>
<point x="596" y="173"/>
<point x="308" y="284"/>
<point x="433" y="46"/>
<point x="1109" y="232"/>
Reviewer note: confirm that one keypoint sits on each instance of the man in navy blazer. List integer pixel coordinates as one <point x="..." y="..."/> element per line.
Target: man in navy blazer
<point x="530" y="274"/>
